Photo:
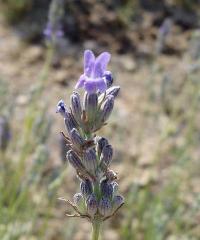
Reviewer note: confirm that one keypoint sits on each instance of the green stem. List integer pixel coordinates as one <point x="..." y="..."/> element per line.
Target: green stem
<point x="95" y="230"/>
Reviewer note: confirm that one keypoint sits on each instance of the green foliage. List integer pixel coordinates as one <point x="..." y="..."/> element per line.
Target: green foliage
<point x="18" y="207"/>
<point x="15" y="9"/>
<point x="24" y="197"/>
<point x="187" y="4"/>
<point x="128" y="11"/>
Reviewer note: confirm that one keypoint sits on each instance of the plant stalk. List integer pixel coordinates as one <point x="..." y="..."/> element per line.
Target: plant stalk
<point x="95" y="229"/>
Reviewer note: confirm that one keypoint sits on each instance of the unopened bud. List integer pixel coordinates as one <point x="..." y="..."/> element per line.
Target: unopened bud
<point x="76" y="138"/>
<point x="106" y="189"/>
<point x="92" y="205"/>
<point x="117" y="202"/>
<point x="113" y="91"/>
<point x="105" y="207"/>
<point x="75" y="161"/>
<point x="86" y="188"/>
<point x="90" y="105"/>
<point x="106" y="157"/>
<point x="90" y="160"/>
<point x="70" y="123"/>
<point x="101" y="143"/>
<point x="76" y="106"/>
<point x="61" y="108"/>
<point x="109" y="78"/>
<point x="106" y="108"/>
<point x="79" y="201"/>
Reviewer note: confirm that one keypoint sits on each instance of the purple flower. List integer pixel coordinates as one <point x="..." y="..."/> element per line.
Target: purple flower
<point x="50" y="32"/>
<point x="93" y="78"/>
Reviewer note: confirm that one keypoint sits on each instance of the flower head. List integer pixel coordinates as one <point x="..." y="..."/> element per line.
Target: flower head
<point x="94" y="77"/>
<point x="54" y="29"/>
<point x="91" y="155"/>
<point x="50" y="32"/>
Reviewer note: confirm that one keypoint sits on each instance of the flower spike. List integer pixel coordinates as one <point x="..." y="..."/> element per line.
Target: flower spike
<point x="91" y="155"/>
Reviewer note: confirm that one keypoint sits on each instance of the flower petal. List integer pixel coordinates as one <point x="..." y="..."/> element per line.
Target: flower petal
<point x="101" y="85"/>
<point x="90" y="86"/>
<point x="89" y="61"/>
<point x="101" y="64"/>
<point x="81" y="81"/>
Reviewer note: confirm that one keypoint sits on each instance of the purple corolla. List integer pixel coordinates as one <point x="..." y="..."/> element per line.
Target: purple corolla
<point x="53" y="31"/>
<point x="94" y="77"/>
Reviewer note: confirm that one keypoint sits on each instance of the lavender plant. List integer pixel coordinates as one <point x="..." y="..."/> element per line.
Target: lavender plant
<point x="54" y="33"/>
<point x="91" y="155"/>
<point x="53" y="30"/>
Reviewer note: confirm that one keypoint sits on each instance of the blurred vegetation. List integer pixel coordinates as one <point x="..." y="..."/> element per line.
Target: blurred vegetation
<point x="29" y="191"/>
<point x="14" y="10"/>
<point x="187" y="4"/>
<point x="82" y="18"/>
<point x="165" y="205"/>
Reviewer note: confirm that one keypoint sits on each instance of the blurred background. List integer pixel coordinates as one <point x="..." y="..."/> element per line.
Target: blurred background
<point x="154" y="128"/>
